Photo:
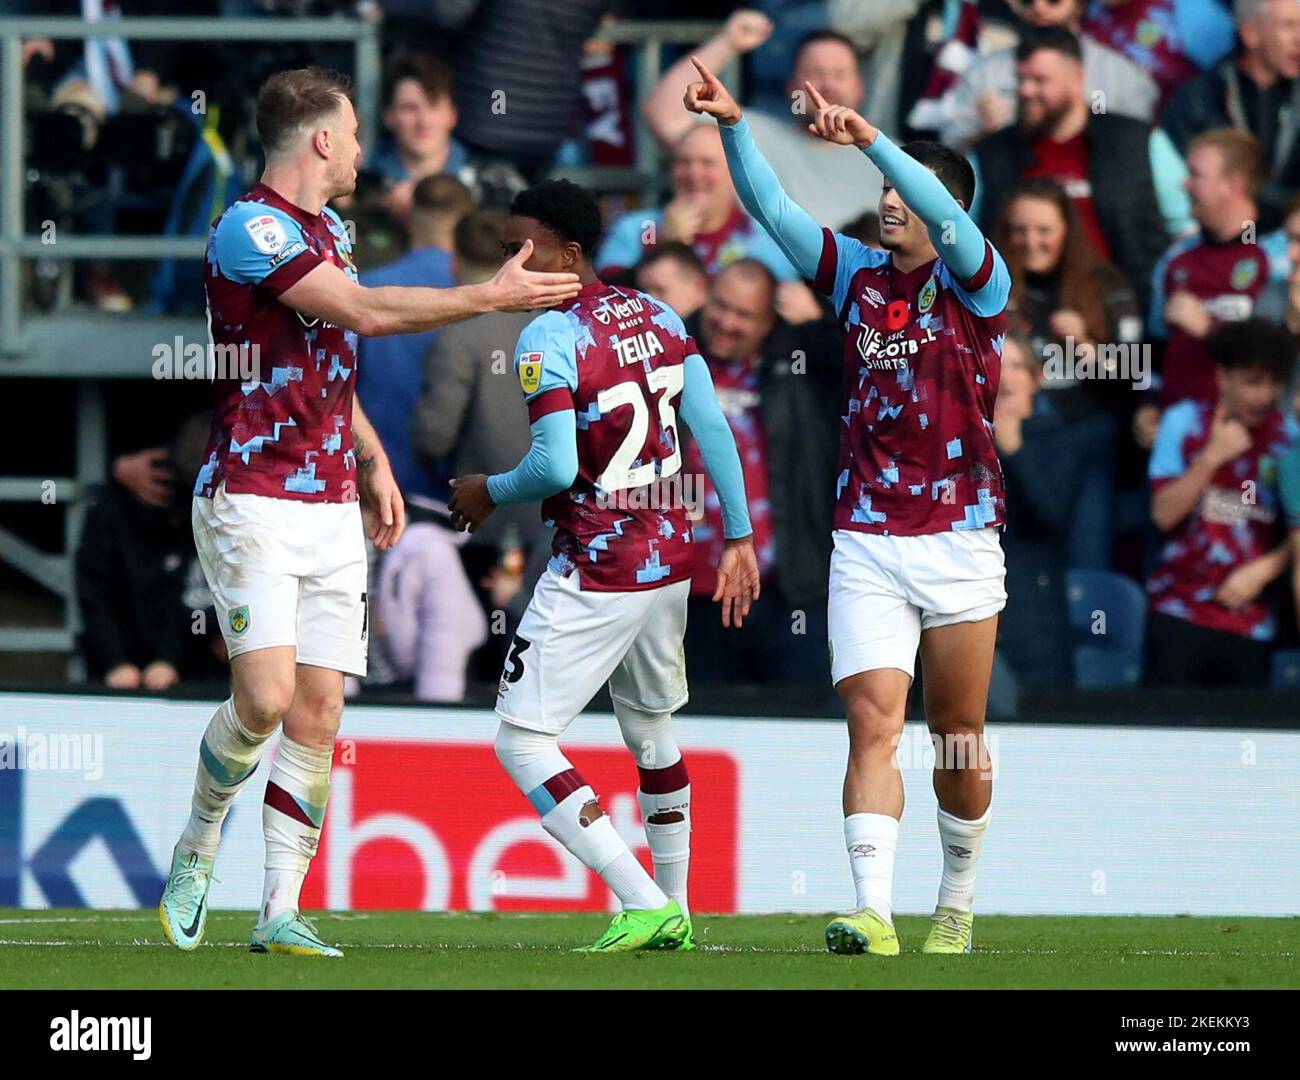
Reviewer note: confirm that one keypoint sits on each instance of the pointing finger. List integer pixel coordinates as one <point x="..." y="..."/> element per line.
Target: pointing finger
<point x="813" y="93"/>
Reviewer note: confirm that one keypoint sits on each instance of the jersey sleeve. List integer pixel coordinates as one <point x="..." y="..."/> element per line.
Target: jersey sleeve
<point x="987" y="292"/>
<point x="841" y="258"/>
<point x="1168" y="453"/>
<point x="256" y="244"/>
<point x="546" y="361"/>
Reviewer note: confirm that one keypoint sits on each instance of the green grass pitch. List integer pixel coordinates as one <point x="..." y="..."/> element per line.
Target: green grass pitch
<point x="126" y="949"/>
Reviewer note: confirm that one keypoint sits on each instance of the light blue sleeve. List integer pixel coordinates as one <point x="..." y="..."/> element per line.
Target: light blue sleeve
<point x="1168" y="462"/>
<point x="956" y="237"/>
<point x="549" y="341"/>
<point x="546" y="358"/>
<point x="1169" y="173"/>
<point x="254" y="239"/>
<point x="550" y="465"/>
<point x="850" y="256"/>
<point x="717" y="445"/>
<point x="978" y="200"/>
<point x="1157" y="328"/>
<point x="790" y="225"/>
<point x="769" y="253"/>
<point x="622" y="248"/>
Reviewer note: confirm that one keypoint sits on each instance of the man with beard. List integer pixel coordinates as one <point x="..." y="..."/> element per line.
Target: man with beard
<point x="1125" y="180"/>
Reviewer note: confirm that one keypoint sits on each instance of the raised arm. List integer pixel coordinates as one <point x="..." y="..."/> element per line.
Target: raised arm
<point x="744" y="31"/>
<point x="791" y="226"/>
<point x="956" y="238"/>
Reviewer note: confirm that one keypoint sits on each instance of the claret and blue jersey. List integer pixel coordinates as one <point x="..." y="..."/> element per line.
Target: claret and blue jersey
<point x="923" y="350"/>
<point x="287" y="432"/>
<point x="616" y="369"/>
<point x="923" y="354"/>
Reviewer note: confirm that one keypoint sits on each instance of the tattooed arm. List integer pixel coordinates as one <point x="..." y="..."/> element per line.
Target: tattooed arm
<point x="382" y="507"/>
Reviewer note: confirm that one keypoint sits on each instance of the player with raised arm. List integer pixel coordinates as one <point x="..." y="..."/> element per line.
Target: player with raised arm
<point x="292" y="466"/>
<point x="917" y="559"/>
<point x="606" y="377"/>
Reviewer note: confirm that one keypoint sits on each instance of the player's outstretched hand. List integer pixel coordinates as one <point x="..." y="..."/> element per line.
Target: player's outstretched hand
<point x="470" y="505"/>
<point x="383" y="510"/>
<point x="738" y="584"/>
<point x="709" y="97"/>
<point x="838" y="123"/>
<point x="516" y="289"/>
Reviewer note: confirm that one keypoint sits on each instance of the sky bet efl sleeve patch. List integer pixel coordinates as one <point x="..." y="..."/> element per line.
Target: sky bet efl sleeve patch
<point x="530" y="371"/>
<point x="267" y="233"/>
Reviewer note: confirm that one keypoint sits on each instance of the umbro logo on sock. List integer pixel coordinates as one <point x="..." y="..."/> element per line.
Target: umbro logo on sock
<point x="862" y="851"/>
<point x="959" y="852"/>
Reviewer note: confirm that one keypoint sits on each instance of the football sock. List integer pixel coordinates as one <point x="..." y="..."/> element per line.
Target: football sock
<point x="961" y="842"/>
<point x="292" y="814"/>
<point x="872" y="840"/>
<point x="570" y="813"/>
<point x="664" y="794"/>
<point x="228" y="755"/>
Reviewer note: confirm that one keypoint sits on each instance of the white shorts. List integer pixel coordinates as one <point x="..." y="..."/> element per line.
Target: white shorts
<point x="884" y="590"/>
<point x="286" y="572"/>
<point x="570" y="643"/>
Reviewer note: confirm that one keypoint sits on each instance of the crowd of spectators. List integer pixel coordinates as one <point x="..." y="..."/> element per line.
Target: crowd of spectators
<point x="1137" y="164"/>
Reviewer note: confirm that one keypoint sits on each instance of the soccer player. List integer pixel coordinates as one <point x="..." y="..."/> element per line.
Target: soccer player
<point x="917" y="560"/>
<point x="291" y="467"/>
<point x="606" y="377"/>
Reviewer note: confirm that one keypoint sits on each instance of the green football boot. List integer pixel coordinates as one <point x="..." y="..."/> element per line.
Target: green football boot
<point x="861" y="931"/>
<point x="291" y="934"/>
<point x="950" y="932"/>
<point x="634" y="931"/>
<point x="183" y="909"/>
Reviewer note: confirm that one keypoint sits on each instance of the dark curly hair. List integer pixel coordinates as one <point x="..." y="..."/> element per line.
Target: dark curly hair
<point x="565" y="209"/>
<point x="1253" y="344"/>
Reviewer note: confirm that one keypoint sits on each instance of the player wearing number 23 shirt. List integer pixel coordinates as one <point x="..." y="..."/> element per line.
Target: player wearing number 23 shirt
<point x="609" y="377"/>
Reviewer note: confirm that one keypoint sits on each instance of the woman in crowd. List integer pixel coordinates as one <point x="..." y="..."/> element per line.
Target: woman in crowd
<point x="1083" y="321"/>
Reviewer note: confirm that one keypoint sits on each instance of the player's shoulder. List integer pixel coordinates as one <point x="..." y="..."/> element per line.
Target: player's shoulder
<point x="250" y="224"/>
<point x="659" y="313"/>
<point x="1187" y="417"/>
<point x="853" y="254"/>
<point x="337" y="228"/>
<point x="1184" y="245"/>
<point x="551" y="329"/>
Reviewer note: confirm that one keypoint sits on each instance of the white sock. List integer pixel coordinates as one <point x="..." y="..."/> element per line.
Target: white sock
<point x="961" y="841"/>
<point x="228" y="755"/>
<point x="872" y="840"/>
<point x="559" y="793"/>
<point x="670" y="842"/>
<point x="635" y="889"/>
<point x="664" y="789"/>
<point x="292" y="815"/>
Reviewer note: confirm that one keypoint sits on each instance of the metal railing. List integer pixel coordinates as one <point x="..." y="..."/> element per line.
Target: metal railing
<point x="75" y="348"/>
